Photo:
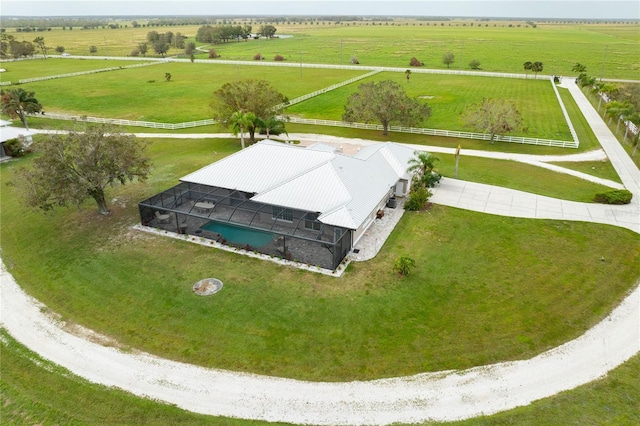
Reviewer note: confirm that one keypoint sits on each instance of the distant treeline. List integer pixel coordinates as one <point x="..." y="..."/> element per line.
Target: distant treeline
<point x="39" y="24"/>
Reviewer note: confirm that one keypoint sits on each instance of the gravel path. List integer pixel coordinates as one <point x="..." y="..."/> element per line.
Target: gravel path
<point x="433" y="396"/>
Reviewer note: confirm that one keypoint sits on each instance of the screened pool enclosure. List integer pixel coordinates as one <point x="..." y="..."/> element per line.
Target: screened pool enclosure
<point x="231" y="217"/>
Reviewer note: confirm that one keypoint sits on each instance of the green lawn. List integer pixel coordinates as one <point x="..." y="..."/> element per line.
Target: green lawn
<point x="143" y="93"/>
<point x="57" y="66"/>
<point x="512" y="295"/>
<point x="450" y="95"/>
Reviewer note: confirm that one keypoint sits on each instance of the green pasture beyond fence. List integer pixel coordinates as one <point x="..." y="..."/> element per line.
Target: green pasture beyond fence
<point x="574" y="143"/>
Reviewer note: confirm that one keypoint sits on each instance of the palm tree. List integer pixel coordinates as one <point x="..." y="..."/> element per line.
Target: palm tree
<point x="17" y="103"/>
<point x="239" y="122"/>
<point x="620" y="110"/>
<point x="422" y="164"/>
<point x="579" y="68"/>
<point x="272" y="124"/>
<point x="536" y="67"/>
<point x="527" y="66"/>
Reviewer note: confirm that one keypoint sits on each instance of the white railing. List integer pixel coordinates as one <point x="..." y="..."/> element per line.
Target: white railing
<point x="574" y="135"/>
<point x="75" y="74"/>
<point x="332" y="123"/>
<point x="133" y="123"/>
<point x="439" y="132"/>
<point x="327" y="89"/>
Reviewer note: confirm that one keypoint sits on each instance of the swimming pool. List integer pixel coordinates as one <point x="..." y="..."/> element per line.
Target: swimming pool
<point x="236" y="235"/>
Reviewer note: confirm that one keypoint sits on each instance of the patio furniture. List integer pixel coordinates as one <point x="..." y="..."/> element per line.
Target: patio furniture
<point x="204" y="206"/>
<point x="163" y="217"/>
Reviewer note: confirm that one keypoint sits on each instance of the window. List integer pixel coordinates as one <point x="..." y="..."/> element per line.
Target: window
<point x="310" y="222"/>
<point x="278" y="213"/>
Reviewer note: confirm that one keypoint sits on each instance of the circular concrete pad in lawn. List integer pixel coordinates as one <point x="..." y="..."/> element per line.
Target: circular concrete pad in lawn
<point x="207" y="286"/>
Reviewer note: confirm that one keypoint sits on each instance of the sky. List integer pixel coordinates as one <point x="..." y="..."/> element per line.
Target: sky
<point x="575" y="9"/>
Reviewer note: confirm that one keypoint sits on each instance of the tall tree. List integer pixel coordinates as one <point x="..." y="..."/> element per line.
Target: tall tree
<point x="537" y="67"/>
<point x="384" y="102"/>
<point x="43" y="48"/>
<point x="527" y="66"/>
<point x="143" y="48"/>
<point x="448" y="59"/>
<point x="493" y="116"/>
<point x="240" y="122"/>
<point x="256" y="96"/>
<point x="80" y="165"/>
<point x="267" y="31"/>
<point x="17" y="103"/>
<point x="620" y="110"/>
<point x="161" y="47"/>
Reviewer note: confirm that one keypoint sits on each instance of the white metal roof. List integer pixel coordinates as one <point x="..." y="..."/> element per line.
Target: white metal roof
<point x="8" y="133"/>
<point x="343" y="189"/>
<point x="259" y="167"/>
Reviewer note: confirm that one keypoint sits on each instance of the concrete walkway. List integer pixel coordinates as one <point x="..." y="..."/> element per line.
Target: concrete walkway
<point x="448" y="395"/>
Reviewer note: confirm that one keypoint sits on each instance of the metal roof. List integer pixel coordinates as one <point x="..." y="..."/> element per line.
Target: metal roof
<point x="344" y="190"/>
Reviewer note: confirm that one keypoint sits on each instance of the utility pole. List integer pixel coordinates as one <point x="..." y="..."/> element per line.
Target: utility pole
<point x="603" y="61"/>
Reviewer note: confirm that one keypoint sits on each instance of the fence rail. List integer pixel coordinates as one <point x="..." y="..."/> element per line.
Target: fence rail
<point x="439" y="132"/>
<point x="332" y="123"/>
<point x="133" y="123"/>
<point x="75" y="74"/>
<point x="327" y="89"/>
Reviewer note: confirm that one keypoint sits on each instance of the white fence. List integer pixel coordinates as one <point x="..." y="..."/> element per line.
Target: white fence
<point x="438" y="132"/>
<point x="133" y="123"/>
<point x="75" y="74"/>
<point x="565" y="113"/>
<point x="327" y="89"/>
<point x="332" y="123"/>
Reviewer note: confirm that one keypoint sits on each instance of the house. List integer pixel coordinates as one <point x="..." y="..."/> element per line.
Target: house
<point x="307" y="204"/>
<point x="7" y="133"/>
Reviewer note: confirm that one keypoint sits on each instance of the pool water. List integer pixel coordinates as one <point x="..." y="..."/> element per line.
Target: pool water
<point x="237" y="235"/>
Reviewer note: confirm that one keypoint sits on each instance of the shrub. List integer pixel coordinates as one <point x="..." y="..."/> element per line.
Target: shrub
<point x="404" y="265"/>
<point x="278" y="58"/>
<point x="621" y="196"/>
<point x="474" y="64"/>
<point x="213" y="54"/>
<point x="418" y="198"/>
<point x="14" y="148"/>
<point x="135" y="52"/>
<point x="354" y="60"/>
<point x="414" y="62"/>
<point x="258" y="57"/>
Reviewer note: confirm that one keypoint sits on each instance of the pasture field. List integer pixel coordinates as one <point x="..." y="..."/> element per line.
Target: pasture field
<point x="512" y="294"/>
<point x="450" y="95"/>
<point x="143" y="94"/>
<point x="117" y="94"/>
<point x="606" y="49"/>
<point x="56" y="66"/>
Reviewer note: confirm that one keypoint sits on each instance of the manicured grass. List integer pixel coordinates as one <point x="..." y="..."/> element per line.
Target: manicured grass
<point x="512" y="295"/>
<point x="450" y="95"/>
<point x="602" y="169"/>
<point x="143" y="94"/>
<point x="35" y="391"/>
<point x="524" y="177"/>
<point x="57" y="66"/>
